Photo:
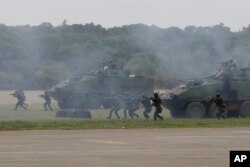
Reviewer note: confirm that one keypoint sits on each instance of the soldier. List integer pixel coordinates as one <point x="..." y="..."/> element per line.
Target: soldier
<point x="134" y="105"/>
<point x="47" y="103"/>
<point x="231" y="65"/>
<point x="157" y="104"/>
<point x="147" y="106"/>
<point x="220" y="107"/>
<point x="126" y="103"/>
<point x="19" y="94"/>
<point x="115" y="107"/>
<point x="223" y="70"/>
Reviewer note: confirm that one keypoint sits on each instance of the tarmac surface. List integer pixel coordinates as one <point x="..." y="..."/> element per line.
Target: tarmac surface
<point x="177" y="147"/>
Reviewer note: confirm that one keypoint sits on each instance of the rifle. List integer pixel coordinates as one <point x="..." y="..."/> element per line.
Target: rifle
<point x="212" y="99"/>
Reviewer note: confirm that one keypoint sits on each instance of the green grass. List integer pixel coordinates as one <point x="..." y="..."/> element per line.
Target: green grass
<point x="38" y="119"/>
<point x="120" y="124"/>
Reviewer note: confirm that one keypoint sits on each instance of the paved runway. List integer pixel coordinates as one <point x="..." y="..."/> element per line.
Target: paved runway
<point x="188" y="147"/>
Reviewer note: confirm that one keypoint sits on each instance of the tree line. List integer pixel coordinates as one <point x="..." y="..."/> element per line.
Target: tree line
<point x="36" y="57"/>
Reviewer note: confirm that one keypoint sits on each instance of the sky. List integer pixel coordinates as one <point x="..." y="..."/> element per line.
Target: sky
<point x="110" y="13"/>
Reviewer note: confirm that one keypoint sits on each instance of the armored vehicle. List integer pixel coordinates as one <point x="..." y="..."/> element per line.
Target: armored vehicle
<point x="190" y="98"/>
<point x="95" y="89"/>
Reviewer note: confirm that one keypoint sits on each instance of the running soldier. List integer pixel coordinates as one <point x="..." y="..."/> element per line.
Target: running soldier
<point x="157" y="104"/>
<point x="220" y="107"/>
<point x="147" y="106"/>
<point x="47" y="103"/>
<point x="134" y="105"/>
<point x="115" y="107"/>
<point x="19" y="94"/>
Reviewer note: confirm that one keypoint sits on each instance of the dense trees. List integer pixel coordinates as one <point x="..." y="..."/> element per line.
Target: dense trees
<point x="34" y="57"/>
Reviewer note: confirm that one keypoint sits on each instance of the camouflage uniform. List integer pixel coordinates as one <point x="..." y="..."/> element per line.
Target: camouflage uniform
<point x="134" y="105"/>
<point x="231" y="65"/>
<point x="47" y="103"/>
<point x="157" y="104"/>
<point x="115" y="107"/>
<point x="147" y="106"/>
<point x="19" y="94"/>
<point x="126" y="103"/>
<point x="130" y="105"/>
<point x="220" y="107"/>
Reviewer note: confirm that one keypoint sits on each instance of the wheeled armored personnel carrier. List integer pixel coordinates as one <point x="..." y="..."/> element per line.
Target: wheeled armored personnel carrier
<point x="190" y="99"/>
<point x="95" y="89"/>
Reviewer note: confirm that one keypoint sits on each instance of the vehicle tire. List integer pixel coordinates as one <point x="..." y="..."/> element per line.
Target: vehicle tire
<point x="245" y="109"/>
<point x="74" y="102"/>
<point x="212" y="111"/>
<point x="80" y="114"/>
<point x="62" y="113"/>
<point x="195" y="110"/>
<point x="94" y="101"/>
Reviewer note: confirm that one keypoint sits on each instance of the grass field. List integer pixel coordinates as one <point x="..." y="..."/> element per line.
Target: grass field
<point x="36" y="112"/>
<point x="38" y="119"/>
<point x="67" y="124"/>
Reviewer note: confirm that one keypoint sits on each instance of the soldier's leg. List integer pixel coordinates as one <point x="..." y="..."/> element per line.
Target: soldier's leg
<point x="134" y="114"/>
<point x="158" y="116"/>
<point x="50" y="108"/>
<point x="222" y="111"/>
<point x="26" y="105"/>
<point x="45" y="106"/>
<point x="116" y="113"/>
<point x="130" y="113"/>
<point x="217" y="113"/>
<point x="159" y="110"/>
<point x="155" y="114"/>
<point x="125" y="113"/>
<point x="21" y="103"/>
<point x="17" y="104"/>
<point x="110" y="113"/>
<point x="145" y="114"/>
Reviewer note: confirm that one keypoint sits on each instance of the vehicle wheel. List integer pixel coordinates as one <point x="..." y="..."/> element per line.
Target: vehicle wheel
<point x="62" y="113"/>
<point x="212" y="111"/>
<point x="74" y="102"/>
<point x="195" y="110"/>
<point x="245" y="109"/>
<point x="80" y="114"/>
<point x="94" y="101"/>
